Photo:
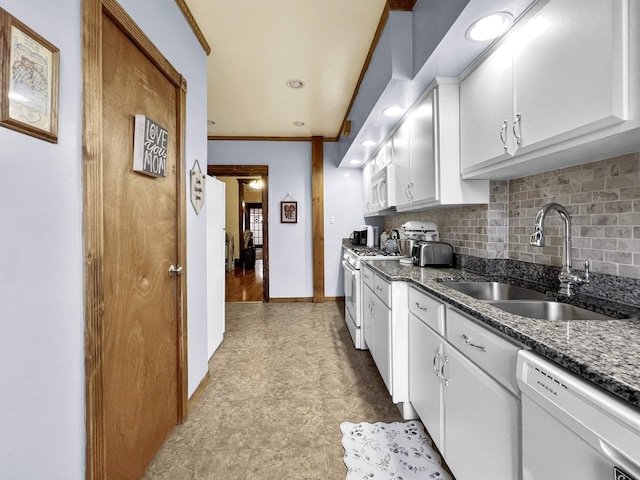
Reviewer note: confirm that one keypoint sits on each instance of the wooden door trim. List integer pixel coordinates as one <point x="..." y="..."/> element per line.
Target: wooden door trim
<point x="93" y="227"/>
<point x="255" y="171"/>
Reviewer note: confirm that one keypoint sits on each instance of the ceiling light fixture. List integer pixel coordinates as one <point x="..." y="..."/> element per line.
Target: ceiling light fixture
<point x="355" y="161"/>
<point x="394" y="111"/>
<point x="368" y="143"/>
<point x="490" y="27"/>
<point x="211" y="122"/>
<point x="297" y="123"/>
<point x="295" y="84"/>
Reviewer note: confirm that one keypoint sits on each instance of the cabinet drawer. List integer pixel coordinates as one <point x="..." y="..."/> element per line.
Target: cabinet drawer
<point x="489" y="351"/>
<point x="427" y="309"/>
<point x="382" y="289"/>
<point x="367" y="277"/>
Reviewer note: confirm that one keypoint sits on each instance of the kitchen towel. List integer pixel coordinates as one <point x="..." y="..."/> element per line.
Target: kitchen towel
<point x="399" y="450"/>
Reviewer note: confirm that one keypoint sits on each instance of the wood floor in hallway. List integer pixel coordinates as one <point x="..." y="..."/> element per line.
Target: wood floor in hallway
<point x="244" y="285"/>
<point x="284" y="378"/>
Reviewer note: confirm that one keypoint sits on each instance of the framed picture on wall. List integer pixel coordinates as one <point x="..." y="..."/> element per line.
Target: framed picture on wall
<point x="289" y="212"/>
<point x="28" y="80"/>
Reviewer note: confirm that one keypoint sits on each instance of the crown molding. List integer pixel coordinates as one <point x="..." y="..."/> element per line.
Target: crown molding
<point x="194" y="25"/>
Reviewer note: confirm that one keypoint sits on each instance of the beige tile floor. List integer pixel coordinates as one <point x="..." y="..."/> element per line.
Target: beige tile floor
<point x="284" y="378"/>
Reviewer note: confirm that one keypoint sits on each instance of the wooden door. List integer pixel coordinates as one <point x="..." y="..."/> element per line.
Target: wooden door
<point x="140" y="243"/>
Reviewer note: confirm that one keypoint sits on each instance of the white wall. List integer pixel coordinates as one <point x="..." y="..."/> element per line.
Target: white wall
<point x="41" y="323"/>
<point x="290" y="247"/>
<point x="42" y="430"/>
<point x="343" y="198"/>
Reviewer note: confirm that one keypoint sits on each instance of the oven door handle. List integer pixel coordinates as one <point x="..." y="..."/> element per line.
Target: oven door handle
<point x="347" y="266"/>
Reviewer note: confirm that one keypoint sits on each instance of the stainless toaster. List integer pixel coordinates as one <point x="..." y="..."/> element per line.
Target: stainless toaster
<point x="432" y="254"/>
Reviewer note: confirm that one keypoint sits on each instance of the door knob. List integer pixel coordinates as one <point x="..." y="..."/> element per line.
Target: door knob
<point x="175" y="270"/>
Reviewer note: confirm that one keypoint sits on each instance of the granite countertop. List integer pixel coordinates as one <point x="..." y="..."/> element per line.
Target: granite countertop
<point x="605" y="352"/>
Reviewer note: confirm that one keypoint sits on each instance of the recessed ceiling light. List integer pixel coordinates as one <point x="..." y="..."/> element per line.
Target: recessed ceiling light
<point x="393" y="111"/>
<point x="295" y="84"/>
<point x="297" y="123"/>
<point x="368" y="143"/>
<point x="355" y="162"/>
<point x="490" y="27"/>
<point x="211" y="122"/>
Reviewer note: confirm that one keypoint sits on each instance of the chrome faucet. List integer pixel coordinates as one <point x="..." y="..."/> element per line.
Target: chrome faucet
<point x="568" y="279"/>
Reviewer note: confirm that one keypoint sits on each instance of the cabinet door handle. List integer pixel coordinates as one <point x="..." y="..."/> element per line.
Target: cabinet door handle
<point x="445" y="380"/>
<point x="407" y="191"/>
<point x="379" y="289"/>
<point x="517" y="128"/>
<point x="420" y="307"/>
<point x="435" y="359"/>
<point x="503" y="134"/>
<point x="468" y="342"/>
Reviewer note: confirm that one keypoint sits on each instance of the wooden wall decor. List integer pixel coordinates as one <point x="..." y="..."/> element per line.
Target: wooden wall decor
<point x="29" y="80"/>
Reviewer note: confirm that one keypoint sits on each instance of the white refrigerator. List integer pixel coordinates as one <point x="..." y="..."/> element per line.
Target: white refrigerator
<point x="215" y="202"/>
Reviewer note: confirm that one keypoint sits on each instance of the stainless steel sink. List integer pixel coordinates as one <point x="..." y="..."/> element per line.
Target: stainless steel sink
<point x="495" y="291"/>
<point x="547" y="310"/>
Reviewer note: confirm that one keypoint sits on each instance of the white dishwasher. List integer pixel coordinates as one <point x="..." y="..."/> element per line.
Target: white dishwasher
<point x="571" y="429"/>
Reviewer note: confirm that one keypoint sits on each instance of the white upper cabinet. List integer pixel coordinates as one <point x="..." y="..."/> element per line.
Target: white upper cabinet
<point x="374" y="182"/>
<point x="426" y="154"/>
<point x="402" y="163"/>
<point x="367" y="176"/>
<point x="424" y="170"/>
<point x="558" y="90"/>
<point x="486" y="110"/>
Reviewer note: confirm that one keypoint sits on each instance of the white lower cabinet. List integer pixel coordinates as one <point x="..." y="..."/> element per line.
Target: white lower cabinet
<point x="426" y="349"/>
<point x="381" y="331"/>
<point x="465" y="403"/>
<point x="386" y="332"/>
<point x="481" y="422"/>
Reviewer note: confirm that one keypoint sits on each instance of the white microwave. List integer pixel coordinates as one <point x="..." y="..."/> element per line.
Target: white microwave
<point x="383" y="188"/>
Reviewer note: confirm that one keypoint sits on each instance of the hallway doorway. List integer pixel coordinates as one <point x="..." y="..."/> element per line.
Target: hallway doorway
<point x="247" y="276"/>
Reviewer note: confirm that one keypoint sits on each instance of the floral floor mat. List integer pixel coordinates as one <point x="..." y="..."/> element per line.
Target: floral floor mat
<point x="398" y="451"/>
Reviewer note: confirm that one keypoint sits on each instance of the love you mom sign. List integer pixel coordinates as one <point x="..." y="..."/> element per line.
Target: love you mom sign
<point x="149" y="147"/>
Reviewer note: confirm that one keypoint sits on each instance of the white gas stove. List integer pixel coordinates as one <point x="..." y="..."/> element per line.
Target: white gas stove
<point x="351" y="260"/>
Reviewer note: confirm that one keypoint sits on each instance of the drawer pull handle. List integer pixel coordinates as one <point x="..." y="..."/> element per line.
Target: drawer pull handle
<point x="468" y="342"/>
<point x="435" y="360"/>
<point x="420" y="307"/>
<point x="445" y="380"/>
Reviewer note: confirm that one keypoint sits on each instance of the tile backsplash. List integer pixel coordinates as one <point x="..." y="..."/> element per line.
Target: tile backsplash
<point x="603" y="199"/>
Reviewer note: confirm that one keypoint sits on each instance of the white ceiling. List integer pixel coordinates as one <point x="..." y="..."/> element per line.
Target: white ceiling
<point x="258" y="45"/>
